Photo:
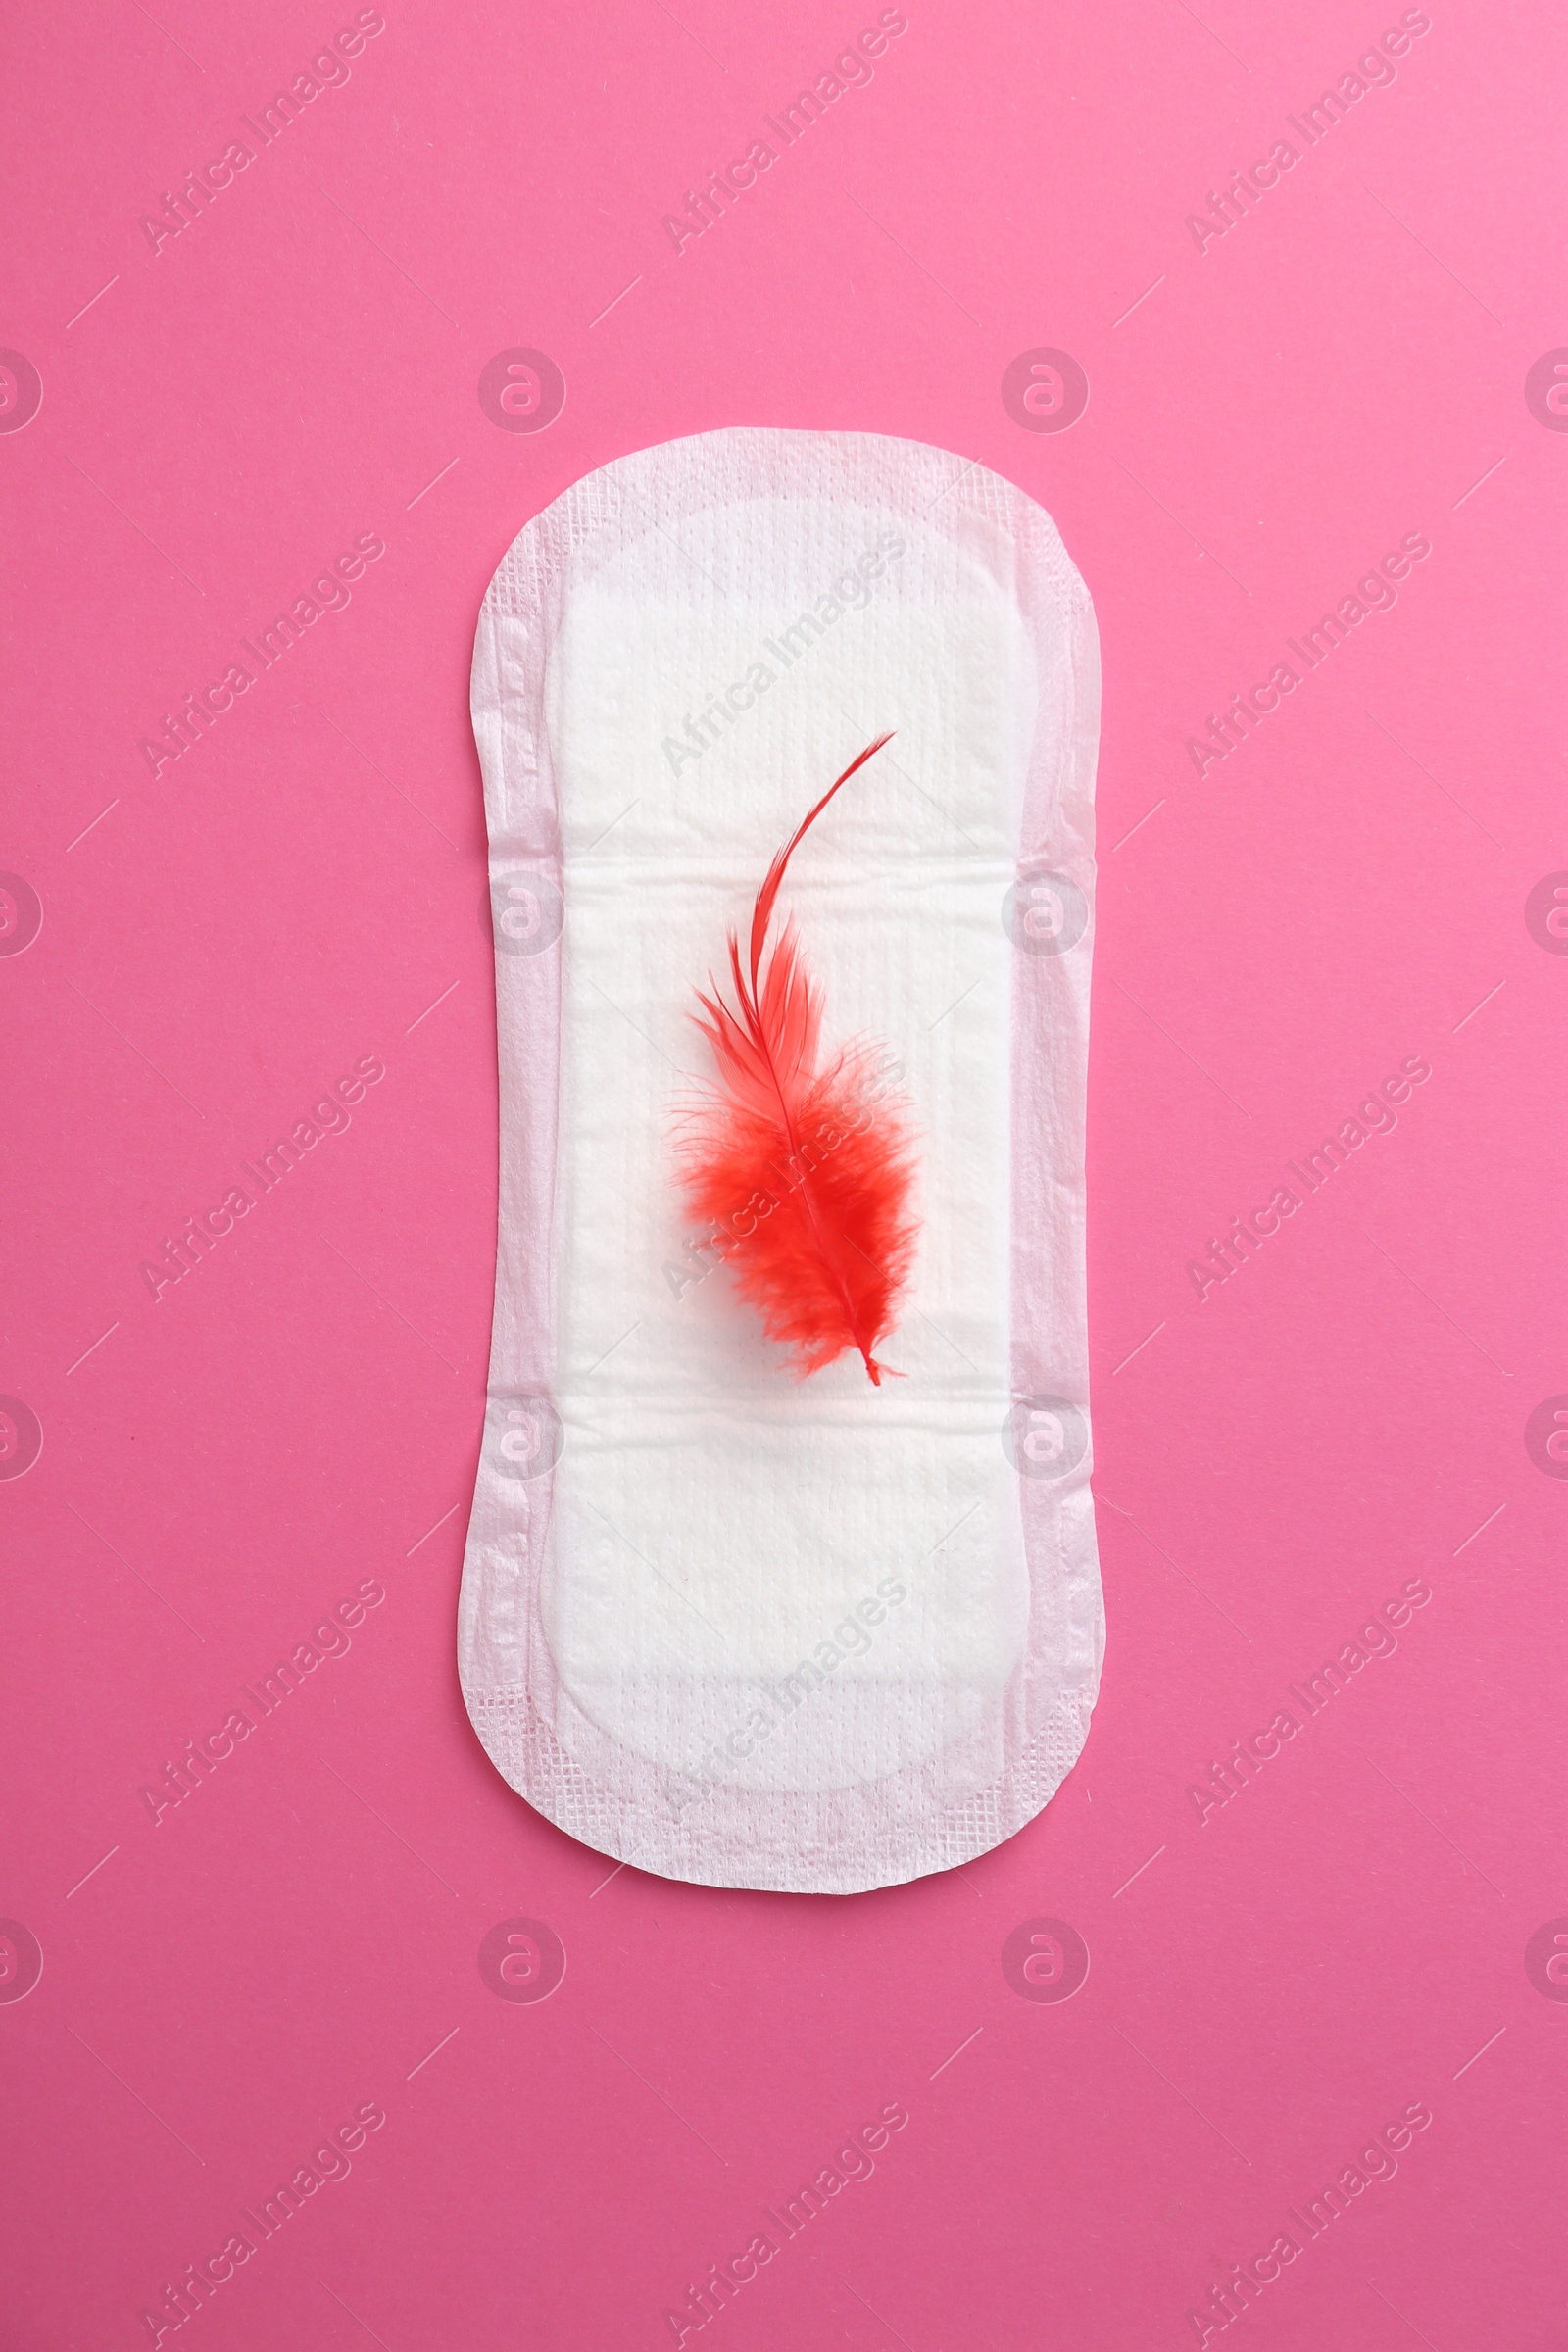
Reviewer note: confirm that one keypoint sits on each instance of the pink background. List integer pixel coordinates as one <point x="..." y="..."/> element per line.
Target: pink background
<point x="1269" y="1985"/>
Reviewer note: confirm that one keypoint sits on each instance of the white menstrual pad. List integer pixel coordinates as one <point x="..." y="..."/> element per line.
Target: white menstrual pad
<point x="716" y="1621"/>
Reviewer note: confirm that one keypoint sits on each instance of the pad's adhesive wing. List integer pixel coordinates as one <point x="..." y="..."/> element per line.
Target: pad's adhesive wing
<point x="717" y="1620"/>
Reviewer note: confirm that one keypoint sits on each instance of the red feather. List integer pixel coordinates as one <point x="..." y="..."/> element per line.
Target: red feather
<point x="800" y="1166"/>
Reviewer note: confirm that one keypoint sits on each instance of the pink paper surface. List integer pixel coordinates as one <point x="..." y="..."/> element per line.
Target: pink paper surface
<point x="1367" y="350"/>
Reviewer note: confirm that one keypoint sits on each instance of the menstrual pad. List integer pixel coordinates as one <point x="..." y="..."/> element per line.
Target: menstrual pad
<point x="719" y="1622"/>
